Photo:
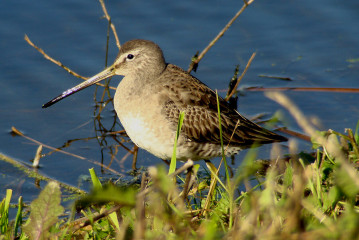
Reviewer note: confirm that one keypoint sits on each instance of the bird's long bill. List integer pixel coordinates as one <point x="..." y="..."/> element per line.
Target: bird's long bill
<point x="108" y="72"/>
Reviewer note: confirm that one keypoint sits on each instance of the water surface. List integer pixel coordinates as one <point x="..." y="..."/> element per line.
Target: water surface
<point x="315" y="43"/>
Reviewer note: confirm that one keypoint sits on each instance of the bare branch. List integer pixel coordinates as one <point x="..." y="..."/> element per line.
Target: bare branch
<point x="219" y="35"/>
<point x="58" y="63"/>
<point x="234" y="89"/>
<point x="111" y="24"/>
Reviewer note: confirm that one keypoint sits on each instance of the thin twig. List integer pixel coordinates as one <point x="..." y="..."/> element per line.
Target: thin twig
<point x="234" y="89"/>
<point x="16" y="131"/>
<point x="294" y="134"/>
<point x="85" y="221"/>
<point x="134" y="159"/>
<point x="37" y="157"/>
<point x="306" y="89"/>
<point x="275" y="77"/>
<point x="111" y="24"/>
<point x="58" y="63"/>
<point x="219" y="35"/>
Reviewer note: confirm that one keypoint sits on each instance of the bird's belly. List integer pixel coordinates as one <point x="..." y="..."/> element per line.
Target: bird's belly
<point x="152" y="138"/>
<point x="159" y="140"/>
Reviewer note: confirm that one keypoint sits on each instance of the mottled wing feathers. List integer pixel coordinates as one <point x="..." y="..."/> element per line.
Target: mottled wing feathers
<point x="184" y="92"/>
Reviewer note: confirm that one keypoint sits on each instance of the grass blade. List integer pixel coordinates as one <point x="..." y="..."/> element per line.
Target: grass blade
<point x="4" y="211"/>
<point x="18" y="219"/>
<point x="173" y="159"/>
<point x="95" y="181"/>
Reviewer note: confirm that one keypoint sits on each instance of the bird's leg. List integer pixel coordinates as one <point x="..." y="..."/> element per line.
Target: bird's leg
<point x="134" y="159"/>
<point x="188" y="182"/>
<point x="214" y="171"/>
<point x="166" y="161"/>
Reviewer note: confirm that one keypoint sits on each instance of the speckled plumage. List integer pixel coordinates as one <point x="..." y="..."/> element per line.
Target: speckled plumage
<point x="150" y="97"/>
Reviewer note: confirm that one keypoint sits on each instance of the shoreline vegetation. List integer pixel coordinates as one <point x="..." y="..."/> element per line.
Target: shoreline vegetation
<point x="306" y="196"/>
<point x="303" y="196"/>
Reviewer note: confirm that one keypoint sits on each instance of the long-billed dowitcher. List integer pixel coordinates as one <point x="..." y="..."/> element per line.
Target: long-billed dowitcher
<point x="150" y="97"/>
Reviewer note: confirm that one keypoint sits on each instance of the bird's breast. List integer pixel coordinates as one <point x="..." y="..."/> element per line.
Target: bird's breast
<point x="143" y="121"/>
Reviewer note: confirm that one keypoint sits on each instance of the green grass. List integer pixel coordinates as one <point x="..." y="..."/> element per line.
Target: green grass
<point x="173" y="163"/>
<point x="309" y="196"/>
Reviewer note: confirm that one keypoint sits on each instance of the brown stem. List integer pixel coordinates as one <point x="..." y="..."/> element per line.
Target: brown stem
<point x="219" y="35"/>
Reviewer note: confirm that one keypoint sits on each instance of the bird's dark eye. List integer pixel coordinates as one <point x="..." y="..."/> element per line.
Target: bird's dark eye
<point x="130" y="56"/>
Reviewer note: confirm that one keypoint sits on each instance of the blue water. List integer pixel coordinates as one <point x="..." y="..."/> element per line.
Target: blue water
<point x="307" y="41"/>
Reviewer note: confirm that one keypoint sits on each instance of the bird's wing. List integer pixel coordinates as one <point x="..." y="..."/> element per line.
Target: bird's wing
<point x="184" y="92"/>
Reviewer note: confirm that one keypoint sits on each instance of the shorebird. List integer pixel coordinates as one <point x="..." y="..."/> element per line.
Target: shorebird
<point x="150" y="97"/>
